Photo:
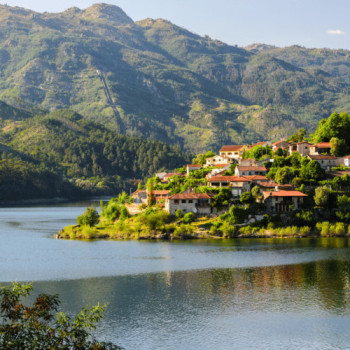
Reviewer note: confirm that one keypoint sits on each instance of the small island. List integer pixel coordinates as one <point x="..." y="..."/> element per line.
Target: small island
<point x="298" y="187"/>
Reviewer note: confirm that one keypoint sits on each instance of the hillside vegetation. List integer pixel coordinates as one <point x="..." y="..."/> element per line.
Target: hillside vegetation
<point x="156" y="80"/>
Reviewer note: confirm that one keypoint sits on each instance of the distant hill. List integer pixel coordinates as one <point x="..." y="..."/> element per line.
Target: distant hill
<point x="156" y="80"/>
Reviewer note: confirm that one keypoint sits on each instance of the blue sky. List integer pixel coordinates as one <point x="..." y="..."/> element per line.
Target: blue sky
<point x="310" y="23"/>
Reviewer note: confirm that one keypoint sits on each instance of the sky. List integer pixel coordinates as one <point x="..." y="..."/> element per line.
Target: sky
<point x="309" y="23"/>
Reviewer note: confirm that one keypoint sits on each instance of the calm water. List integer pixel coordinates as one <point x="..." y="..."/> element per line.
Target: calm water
<point x="242" y="294"/>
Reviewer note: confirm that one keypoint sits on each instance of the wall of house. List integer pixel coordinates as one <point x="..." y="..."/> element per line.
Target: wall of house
<point x="186" y="207"/>
<point x="271" y="202"/>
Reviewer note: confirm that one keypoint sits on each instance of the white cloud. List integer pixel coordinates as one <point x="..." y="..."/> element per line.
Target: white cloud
<point x="335" y="32"/>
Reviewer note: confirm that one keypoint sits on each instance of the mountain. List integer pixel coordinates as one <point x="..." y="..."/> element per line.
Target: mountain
<point x="153" y="79"/>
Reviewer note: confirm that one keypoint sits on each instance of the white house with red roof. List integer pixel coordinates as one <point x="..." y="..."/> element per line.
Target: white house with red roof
<point x="325" y="161"/>
<point x="347" y="161"/>
<point x="279" y="144"/>
<point x="320" y="148"/>
<point x="189" y="202"/>
<point x="303" y="148"/>
<point x="192" y="167"/>
<point x="213" y="161"/>
<point x="283" y="201"/>
<point x="233" y="151"/>
<point x="250" y="170"/>
<point x="237" y="184"/>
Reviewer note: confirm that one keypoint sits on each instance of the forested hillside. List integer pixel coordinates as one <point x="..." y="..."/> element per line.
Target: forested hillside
<point x="63" y="154"/>
<point x="156" y="80"/>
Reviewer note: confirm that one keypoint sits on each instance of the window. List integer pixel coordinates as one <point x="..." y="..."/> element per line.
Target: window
<point x="183" y="201"/>
<point x="176" y="201"/>
<point x="190" y="201"/>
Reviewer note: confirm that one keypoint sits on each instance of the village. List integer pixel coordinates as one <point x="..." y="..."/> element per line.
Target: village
<point x="248" y="173"/>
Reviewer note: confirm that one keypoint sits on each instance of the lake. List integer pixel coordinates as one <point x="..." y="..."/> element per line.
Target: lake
<point x="226" y="294"/>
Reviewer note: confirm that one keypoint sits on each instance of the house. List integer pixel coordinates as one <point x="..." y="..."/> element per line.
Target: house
<point x="139" y="196"/>
<point x="320" y="148"/>
<point x="347" y="161"/>
<point x="213" y="161"/>
<point x="234" y="151"/>
<point x="303" y="148"/>
<point x="271" y="185"/>
<point x="326" y="162"/>
<point x="167" y="178"/>
<point x="192" y="167"/>
<point x="247" y="162"/>
<point x="279" y="144"/>
<point x="189" y="201"/>
<point x="158" y="196"/>
<point x="238" y="185"/>
<point x="257" y="178"/>
<point x="263" y="144"/>
<point x="218" y="170"/>
<point x="250" y="170"/>
<point x="283" y="201"/>
<point x="160" y="175"/>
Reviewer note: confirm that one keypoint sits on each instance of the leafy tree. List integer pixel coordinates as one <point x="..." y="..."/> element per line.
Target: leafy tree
<point x="178" y="214"/>
<point x="89" y="218"/>
<point x="283" y="175"/>
<point x="238" y="214"/>
<point x="343" y="212"/>
<point x="140" y="186"/>
<point x="312" y="171"/>
<point x="41" y="326"/>
<point x="298" y="136"/>
<point x="256" y="191"/>
<point x="188" y="218"/>
<point x="338" y="147"/>
<point x="124" y="214"/>
<point x="201" y="158"/>
<point x="322" y="196"/>
<point x="247" y="198"/>
<point x="222" y="198"/>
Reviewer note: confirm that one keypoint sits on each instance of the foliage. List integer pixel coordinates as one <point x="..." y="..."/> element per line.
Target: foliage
<point x="298" y="136"/>
<point x="247" y="198"/>
<point x="41" y="326"/>
<point x="89" y="218"/>
<point x="338" y="147"/>
<point x="322" y="196"/>
<point x="201" y="158"/>
<point x="188" y="218"/>
<point x="222" y="198"/>
<point x="343" y="212"/>
<point x="237" y="214"/>
<point x="178" y="214"/>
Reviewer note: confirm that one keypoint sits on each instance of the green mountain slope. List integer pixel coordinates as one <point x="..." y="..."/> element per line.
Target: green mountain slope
<point x="156" y="80"/>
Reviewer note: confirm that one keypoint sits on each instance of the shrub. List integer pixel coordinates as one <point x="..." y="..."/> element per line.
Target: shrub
<point x="339" y="228"/>
<point x="188" y="218"/>
<point x="88" y="232"/>
<point x="228" y="231"/>
<point x="111" y="212"/>
<point x="183" y="231"/>
<point x="90" y="217"/>
<point x="178" y="214"/>
<point x="124" y="214"/>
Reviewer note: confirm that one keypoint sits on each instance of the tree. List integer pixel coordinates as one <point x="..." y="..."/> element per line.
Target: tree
<point x="343" y="212"/>
<point x="178" y="214"/>
<point x="238" y="214"/>
<point x="247" y="198"/>
<point x="312" y="171"/>
<point x="321" y="196"/>
<point x="89" y="218"/>
<point x="298" y="136"/>
<point x="188" y="218"/>
<point x="338" y="147"/>
<point x="40" y="326"/>
<point x="283" y="175"/>
<point x="256" y="191"/>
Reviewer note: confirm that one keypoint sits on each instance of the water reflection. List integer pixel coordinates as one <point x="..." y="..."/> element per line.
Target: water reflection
<point x="150" y="311"/>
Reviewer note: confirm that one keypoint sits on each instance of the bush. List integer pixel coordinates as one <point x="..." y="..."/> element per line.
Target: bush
<point x="178" y="214"/>
<point x="41" y="326"/>
<point x="228" y="231"/>
<point x="111" y="212"/>
<point x="124" y="214"/>
<point x="90" y="217"/>
<point x="183" y="231"/>
<point x="188" y="218"/>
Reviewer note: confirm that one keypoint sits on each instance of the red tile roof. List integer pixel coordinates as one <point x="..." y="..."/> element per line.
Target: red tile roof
<point x="221" y="165"/>
<point x="251" y="168"/>
<point x="322" y="157"/>
<point x="256" y="177"/>
<point x="190" y="194"/>
<point x="283" y="193"/>
<point x="323" y="145"/>
<point x="260" y="143"/>
<point x="228" y="179"/>
<point x="194" y="165"/>
<point x="347" y="157"/>
<point x="172" y="174"/>
<point x="233" y="148"/>
<point x="268" y="184"/>
<point x="165" y="192"/>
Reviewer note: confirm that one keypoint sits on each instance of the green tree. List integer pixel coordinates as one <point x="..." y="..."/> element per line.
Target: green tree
<point x="238" y="214"/>
<point x="178" y="214"/>
<point x="188" y="218"/>
<point x="256" y="192"/>
<point x="89" y="218"/>
<point x="247" y="198"/>
<point x="298" y="136"/>
<point x="312" y="171"/>
<point x="283" y="175"/>
<point x="338" y="147"/>
<point x="322" y="196"/>
<point x="41" y="326"/>
<point x="343" y="212"/>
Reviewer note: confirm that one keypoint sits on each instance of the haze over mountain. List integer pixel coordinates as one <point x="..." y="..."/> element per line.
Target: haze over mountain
<point x="157" y="80"/>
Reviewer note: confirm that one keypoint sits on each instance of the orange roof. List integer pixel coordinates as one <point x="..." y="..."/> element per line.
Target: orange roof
<point x="322" y="157"/>
<point x="194" y="165"/>
<point x="260" y="143"/>
<point x="255" y="177"/>
<point x="228" y="179"/>
<point x="323" y="145"/>
<point x="284" y="194"/>
<point x="190" y="194"/>
<point x="221" y="165"/>
<point x="233" y="148"/>
<point x="251" y="168"/>
<point x="268" y="184"/>
<point x="347" y="157"/>
<point x="172" y="174"/>
<point x="160" y="192"/>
